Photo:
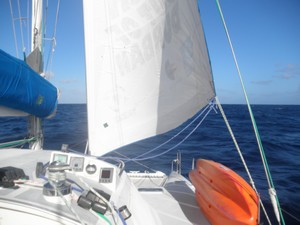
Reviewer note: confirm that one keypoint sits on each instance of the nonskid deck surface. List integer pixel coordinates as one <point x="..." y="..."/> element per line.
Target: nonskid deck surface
<point x="169" y="201"/>
<point x="175" y="203"/>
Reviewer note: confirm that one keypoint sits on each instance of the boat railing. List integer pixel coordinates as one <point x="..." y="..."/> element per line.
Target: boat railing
<point x="176" y="163"/>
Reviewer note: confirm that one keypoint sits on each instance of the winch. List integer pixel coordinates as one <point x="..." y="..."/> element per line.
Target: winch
<point x="57" y="186"/>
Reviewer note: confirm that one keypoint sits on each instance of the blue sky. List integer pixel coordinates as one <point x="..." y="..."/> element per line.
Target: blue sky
<point x="265" y="35"/>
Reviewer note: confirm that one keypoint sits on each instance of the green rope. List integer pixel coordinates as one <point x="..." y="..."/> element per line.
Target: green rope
<point x="263" y="156"/>
<point x="104" y="217"/>
<point x="17" y="143"/>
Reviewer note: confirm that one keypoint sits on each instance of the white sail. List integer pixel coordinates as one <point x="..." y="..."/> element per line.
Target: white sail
<point x="147" y="69"/>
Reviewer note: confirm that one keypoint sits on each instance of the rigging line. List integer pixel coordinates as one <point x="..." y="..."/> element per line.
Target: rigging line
<point x="27" y="16"/>
<point x="294" y="217"/>
<point x="77" y="143"/>
<point x="210" y="106"/>
<point x="265" y="197"/>
<point x="141" y="164"/>
<point x="51" y="53"/>
<point x="260" y="146"/>
<point x="241" y="155"/>
<point x="240" y="77"/>
<point x="21" y="29"/>
<point x="14" y="30"/>
<point x="44" y="25"/>
<point x="187" y="126"/>
<point x="170" y="149"/>
<point x="56" y="18"/>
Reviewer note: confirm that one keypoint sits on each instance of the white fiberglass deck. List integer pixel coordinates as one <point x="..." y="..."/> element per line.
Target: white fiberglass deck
<point x="170" y="200"/>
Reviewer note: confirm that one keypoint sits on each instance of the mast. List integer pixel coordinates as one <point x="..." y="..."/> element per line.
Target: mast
<point x="36" y="63"/>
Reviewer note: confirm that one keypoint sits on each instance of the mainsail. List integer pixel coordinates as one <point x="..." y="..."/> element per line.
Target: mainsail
<point x="147" y="69"/>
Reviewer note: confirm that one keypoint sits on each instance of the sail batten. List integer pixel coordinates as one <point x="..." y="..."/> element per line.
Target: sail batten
<point x="147" y="69"/>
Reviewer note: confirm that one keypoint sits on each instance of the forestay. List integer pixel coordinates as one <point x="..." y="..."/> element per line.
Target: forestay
<point x="147" y="69"/>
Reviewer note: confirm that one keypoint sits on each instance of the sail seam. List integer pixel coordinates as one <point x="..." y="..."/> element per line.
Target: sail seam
<point x="113" y="78"/>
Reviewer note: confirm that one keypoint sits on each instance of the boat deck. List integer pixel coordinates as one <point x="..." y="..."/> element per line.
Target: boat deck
<point x="175" y="203"/>
<point x="159" y="200"/>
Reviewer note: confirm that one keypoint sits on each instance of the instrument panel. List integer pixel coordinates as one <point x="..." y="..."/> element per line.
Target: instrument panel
<point x="88" y="167"/>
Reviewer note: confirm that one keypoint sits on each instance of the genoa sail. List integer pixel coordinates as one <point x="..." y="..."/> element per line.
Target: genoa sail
<point x="147" y="69"/>
<point x="23" y="89"/>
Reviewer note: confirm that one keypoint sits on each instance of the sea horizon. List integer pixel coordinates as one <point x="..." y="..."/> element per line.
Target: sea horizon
<point x="278" y="126"/>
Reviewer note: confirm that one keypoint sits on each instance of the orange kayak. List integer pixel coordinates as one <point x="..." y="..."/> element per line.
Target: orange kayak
<point x="224" y="197"/>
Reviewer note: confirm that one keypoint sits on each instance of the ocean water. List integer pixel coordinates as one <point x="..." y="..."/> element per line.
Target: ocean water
<point x="279" y="127"/>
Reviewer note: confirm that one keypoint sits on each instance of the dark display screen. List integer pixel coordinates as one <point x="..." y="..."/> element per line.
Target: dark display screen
<point x="105" y="174"/>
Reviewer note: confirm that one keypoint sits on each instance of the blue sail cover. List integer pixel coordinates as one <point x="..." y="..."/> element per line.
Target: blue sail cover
<point x="23" y="89"/>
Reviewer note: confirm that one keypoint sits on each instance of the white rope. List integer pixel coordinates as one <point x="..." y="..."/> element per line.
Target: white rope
<point x="209" y="106"/>
<point x="276" y="204"/>
<point x="186" y="137"/>
<point x="187" y="126"/>
<point x="243" y="87"/>
<point x="294" y="217"/>
<point x="241" y="155"/>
